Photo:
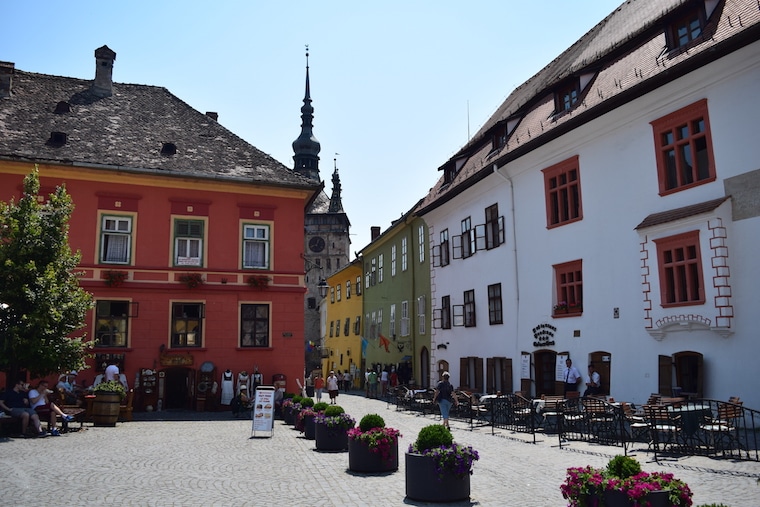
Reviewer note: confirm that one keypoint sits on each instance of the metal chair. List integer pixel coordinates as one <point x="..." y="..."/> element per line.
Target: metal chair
<point x="664" y="427"/>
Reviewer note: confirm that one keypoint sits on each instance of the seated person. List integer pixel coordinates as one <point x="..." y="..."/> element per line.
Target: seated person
<point x="241" y="402"/>
<point x="43" y="406"/>
<point x="67" y="387"/>
<point x="15" y="404"/>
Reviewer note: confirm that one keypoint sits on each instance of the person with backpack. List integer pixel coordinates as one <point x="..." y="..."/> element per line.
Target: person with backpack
<point x="444" y="396"/>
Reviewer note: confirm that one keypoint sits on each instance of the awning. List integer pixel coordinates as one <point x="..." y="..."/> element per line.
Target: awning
<point x="406" y="358"/>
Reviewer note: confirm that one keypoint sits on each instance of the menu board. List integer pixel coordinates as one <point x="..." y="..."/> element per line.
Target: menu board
<point x="525" y="366"/>
<point x="263" y="409"/>
<point x="560" y="372"/>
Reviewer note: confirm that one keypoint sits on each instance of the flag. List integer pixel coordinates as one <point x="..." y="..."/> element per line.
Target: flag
<point x="384" y="342"/>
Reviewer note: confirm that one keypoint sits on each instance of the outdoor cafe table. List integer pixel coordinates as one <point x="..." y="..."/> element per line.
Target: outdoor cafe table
<point x="692" y="415"/>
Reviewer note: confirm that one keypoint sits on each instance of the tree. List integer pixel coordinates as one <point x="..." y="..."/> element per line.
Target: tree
<point x="41" y="302"/>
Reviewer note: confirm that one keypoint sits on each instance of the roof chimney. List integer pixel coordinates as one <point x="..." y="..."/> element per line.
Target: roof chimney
<point x="374" y="232"/>
<point x="6" y="79"/>
<point x="213" y="115"/>
<point x="103" y="84"/>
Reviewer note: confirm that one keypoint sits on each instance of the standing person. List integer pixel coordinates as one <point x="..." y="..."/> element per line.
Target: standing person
<point x="332" y="387"/>
<point x="319" y="385"/>
<point x="444" y="396"/>
<point x="393" y="378"/>
<point x="373" y="384"/>
<point x="15" y="403"/>
<point x="572" y="376"/>
<point x="594" y="384"/>
<point x="38" y="398"/>
<point x="346" y="380"/>
<point x="384" y="382"/>
<point x="366" y="383"/>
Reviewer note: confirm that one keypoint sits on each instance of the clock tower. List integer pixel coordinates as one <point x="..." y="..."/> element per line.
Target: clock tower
<point x="326" y="229"/>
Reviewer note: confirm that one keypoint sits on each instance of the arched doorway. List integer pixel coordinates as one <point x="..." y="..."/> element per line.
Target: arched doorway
<point x="602" y="362"/>
<point x="442" y="367"/>
<point x="545" y="363"/>
<point x="425" y="367"/>
<point x="684" y="370"/>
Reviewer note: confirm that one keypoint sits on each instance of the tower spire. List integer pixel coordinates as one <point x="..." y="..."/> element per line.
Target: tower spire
<point x="306" y="147"/>
<point x="336" y="204"/>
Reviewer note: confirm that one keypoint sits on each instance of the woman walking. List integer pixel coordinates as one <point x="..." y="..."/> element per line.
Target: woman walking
<point x="444" y="396"/>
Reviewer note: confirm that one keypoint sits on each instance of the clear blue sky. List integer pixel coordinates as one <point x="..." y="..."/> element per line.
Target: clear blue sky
<point x="396" y="85"/>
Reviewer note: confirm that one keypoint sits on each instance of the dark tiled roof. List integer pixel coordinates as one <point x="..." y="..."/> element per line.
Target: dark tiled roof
<point x="127" y="131"/>
<point x="626" y="53"/>
<point x="680" y="213"/>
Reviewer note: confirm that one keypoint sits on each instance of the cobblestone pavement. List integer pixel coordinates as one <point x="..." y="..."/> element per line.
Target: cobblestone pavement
<point x="194" y="459"/>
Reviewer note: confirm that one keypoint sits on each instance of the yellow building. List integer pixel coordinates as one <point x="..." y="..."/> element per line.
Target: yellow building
<point x="342" y="327"/>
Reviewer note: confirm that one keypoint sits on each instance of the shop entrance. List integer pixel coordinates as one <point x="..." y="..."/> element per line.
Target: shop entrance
<point x="178" y="388"/>
<point x="546" y="364"/>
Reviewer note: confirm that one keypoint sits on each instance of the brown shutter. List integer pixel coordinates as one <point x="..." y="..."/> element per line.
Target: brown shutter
<point x="665" y="375"/>
<point x="490" y="376"/>
<point x="463" y="364"/>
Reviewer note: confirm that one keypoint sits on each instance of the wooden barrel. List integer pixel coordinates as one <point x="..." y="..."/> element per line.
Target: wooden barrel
<point x="105" y="409"/>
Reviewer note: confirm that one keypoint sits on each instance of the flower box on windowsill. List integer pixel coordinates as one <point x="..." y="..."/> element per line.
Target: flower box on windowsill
<point x="115" y="278"/>
<point x="259" y="281"/>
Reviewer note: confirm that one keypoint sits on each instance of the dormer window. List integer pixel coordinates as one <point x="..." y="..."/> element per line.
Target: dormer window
<point x="499" y="138"/>
<point x="62" y="107"/>
<point x="687" y="27"/>
<point x="169" y="149"/>
<point x="57" y="138"/>
<point x="567" y="95"/>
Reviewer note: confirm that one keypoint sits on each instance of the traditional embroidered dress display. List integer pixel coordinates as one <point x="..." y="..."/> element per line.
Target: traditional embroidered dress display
<point x="228" y="391"/>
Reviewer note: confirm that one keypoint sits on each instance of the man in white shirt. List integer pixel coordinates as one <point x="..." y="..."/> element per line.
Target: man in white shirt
<point x="572" y="376"/>
<point x="593" y="386"/>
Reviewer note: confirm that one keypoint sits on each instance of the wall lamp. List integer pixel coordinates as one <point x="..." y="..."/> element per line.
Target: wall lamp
<point x="323" y="287"/>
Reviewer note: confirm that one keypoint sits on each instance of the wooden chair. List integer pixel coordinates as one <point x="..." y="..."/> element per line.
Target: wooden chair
<point x="664" y="427"/>
<point x="723" y="430"/>
<point x="125" y="409"/>
<point x="553" y="406"/>
<point x="600" y="419"/>
<point x="636" y="424"/>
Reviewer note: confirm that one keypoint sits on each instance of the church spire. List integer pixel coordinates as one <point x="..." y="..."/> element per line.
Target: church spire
<point x="306" y="148"/>
<point x="336" y="204"/>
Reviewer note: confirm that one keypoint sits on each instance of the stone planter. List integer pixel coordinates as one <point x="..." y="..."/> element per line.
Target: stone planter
<point x="105" y="409"/>
<point x="362" y="459"/>
<point x="309" y="427"/>
<point x="330" y="439"/>
<point x="424" y="485"/>
<point x="288" y="415"/>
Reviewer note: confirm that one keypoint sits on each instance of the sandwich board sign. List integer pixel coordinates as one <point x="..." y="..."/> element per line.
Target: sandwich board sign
<point x="262" y="414"/>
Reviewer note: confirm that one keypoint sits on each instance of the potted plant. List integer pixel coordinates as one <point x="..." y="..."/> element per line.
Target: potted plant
<point x="115" y="278"/>
<point x="306" y="407"/>
<point x="331" y="429"/>
<point x="192" y="280"/>
<point x="309" y="427"/>
<point x="105" y="407"/>
<point x="560" y="308"/>
<point x="437" y="468"/>
<point x="290" y="408"/>
<point x="373" y="448"/>
<point x="623" y="484"/>
<point x="259" y="281"/>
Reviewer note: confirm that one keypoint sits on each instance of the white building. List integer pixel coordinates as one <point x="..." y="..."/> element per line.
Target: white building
<point x="621" y="181"/>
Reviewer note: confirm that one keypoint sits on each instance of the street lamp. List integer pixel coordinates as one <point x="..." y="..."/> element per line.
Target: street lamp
<point x="322" y="286"/>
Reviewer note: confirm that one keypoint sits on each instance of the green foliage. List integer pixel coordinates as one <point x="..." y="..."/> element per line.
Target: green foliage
<point x="333" y="410"/>
<point x="110" y="386"/>
<point x="370" y="421"/>
<point x="432" y="436"/>
<point x="307" y="402"/>
<point x="320" y="406"/>
<point x="623" y="467"/>
<point x="297" y="398"/>
<point x="285" y="396"/>
<point x="41" y="302"/>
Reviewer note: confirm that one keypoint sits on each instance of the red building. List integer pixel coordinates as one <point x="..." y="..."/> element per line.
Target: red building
<point x="191" y="238"/>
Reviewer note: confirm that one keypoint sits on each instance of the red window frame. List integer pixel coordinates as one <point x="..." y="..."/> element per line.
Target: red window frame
<point x="562" y="186"/>
<point x="684" y="148"/>
<point x="679" y="263"/>
<point x="569" y="281"/>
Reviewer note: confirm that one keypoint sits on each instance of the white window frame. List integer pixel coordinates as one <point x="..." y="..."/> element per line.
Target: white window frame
<point x="392" y="323"/>
<point x="188" y="248"/>
<point x="120" y="227"/>
<point x="405" y="318"/>
<point x="380" y="268"/>
<point x="393" y="260"/>
<point x="256" y="234"/>
<point x="404" y="252"/>
<point x="421" y="242"/>
<point x="421" y="314"/>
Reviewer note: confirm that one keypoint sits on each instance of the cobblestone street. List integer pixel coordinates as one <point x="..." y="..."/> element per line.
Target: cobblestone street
<point x="165" y="459"/>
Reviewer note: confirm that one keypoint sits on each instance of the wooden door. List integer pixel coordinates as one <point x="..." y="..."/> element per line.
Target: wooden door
<point x="665" y="375"/>
<point x="602" y="362"/>
<point x="545" y="361"/>
<point x="689" y="368"/>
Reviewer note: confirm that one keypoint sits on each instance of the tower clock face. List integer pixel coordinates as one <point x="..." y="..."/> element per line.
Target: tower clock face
<point x="316" y="244"/>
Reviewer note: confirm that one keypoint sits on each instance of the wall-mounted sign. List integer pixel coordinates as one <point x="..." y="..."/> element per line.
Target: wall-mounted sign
<point x="543" y="335"/>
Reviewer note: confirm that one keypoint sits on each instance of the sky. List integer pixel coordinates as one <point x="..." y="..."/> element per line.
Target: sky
<point x="397" y="86"/>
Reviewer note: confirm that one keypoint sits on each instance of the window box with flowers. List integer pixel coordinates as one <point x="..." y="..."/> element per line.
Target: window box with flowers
<point x="115" y="278"/>
<point x="623" y="484"/>
<point x="192" y="280"/>
<point x="560" y="308"/>
<point x="373" y="448"/>
<point x="575" y="308"/>
<point x="259" y="281"/>
<point x="437" y="468"/>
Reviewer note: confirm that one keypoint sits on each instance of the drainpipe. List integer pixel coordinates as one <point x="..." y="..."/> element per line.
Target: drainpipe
<point x="514" y="241"/>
